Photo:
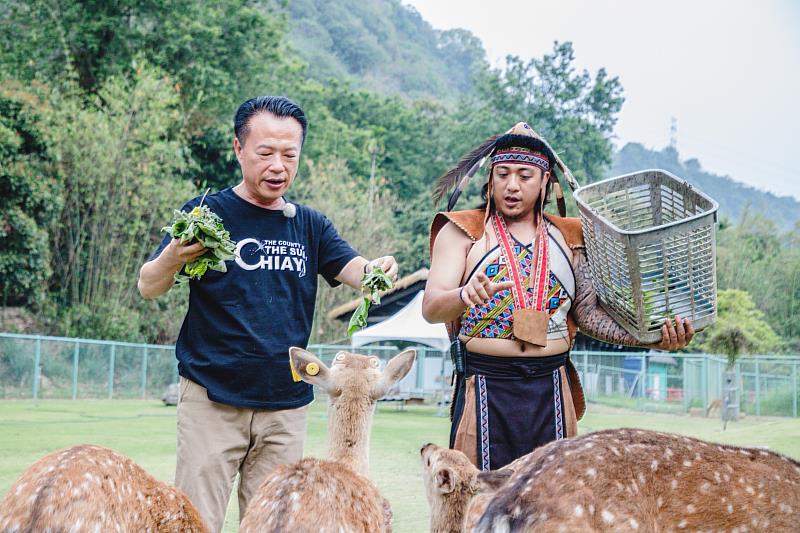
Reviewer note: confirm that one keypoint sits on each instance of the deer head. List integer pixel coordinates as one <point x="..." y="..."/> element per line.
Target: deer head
<point x="457" y="491"/>
<point x="353" y="383"/>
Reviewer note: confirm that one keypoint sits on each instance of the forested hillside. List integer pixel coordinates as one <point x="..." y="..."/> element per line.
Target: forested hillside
<point x="734" y="198"/>
<point x="384" y="46"/>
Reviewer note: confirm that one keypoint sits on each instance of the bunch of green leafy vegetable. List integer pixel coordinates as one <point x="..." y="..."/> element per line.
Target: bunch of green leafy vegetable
<point x="371" y="286"/>
<point x="204" y="226"/>
<point x="654" y="312"/>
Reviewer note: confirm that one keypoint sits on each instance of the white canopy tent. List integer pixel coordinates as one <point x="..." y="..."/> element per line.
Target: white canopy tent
<point x="406" y="325"/>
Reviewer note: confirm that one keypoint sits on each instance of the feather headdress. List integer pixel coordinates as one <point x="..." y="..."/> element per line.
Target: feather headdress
<point x="458" y="178"/>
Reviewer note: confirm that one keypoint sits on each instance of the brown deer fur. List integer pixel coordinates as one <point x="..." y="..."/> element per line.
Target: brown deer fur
<point x="457" y="491"/>
<point x="89" y="488"/>
<point x="451" y="482"/>
<point x="636" y="480"/>
<point x="334" y="495"/>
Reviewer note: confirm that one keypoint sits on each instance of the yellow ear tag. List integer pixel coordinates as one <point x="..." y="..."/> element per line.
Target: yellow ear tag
<point x="312" y="369"/>
<point x="295" y="375"/>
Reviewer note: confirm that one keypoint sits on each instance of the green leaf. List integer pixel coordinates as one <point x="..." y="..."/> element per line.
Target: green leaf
<point x="203" y="225"/>
<point x="219" y="266"/>
<point x="179" y="227"/>
<point x="222" y="254"/>
<point x="196" y="269"/>
<point x="359" y="319"/>
<point x="372" y="284"/>
<point x="376" y="281"/>
<point x="207" y="241"/>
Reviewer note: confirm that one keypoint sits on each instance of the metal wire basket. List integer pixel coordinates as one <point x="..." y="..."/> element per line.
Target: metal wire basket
<point x="650" y="240"/>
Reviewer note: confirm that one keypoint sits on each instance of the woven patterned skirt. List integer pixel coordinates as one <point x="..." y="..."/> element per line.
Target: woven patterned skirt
<point x="507" y="406"/>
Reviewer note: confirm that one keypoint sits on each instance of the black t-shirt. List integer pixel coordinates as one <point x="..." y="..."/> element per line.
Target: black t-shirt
<point x="240" y="324"/>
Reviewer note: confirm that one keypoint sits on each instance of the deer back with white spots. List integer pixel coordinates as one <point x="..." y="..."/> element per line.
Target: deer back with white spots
<point x="637" y="480"/>
<point x="334" y="495"/>
<point x="90" y="488"/>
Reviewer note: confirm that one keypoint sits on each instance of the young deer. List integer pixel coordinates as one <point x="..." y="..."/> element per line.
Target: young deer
<point x="89" y="488"/>
<point x="333" y="495"/>
<point x="630" y="479"/>
<point x="457" y="491"/>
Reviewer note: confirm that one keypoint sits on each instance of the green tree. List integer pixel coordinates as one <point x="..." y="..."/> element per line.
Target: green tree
<point x="740" y="328"/>
<point x="574" y="111"/>
<point x="756" y="257"/>
<point x="217" y="54"/>
<point x="30" y="196"/>
<point x="204" y="47"/>
<point x="464" y="56"/>
<point x="118" y="157"/>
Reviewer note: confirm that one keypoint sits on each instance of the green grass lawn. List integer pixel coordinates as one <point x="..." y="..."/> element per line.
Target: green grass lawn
<point x="145" y="431"/>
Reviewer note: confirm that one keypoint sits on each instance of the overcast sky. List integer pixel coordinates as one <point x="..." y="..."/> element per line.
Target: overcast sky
<point x="727" y="70"/>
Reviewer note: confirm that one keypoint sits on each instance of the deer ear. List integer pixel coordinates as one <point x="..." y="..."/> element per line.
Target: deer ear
<point x="396" y="369"/>
<point x="492" y="480"/>
<point x="445" y="480"/>
<point x="307" y="367"/>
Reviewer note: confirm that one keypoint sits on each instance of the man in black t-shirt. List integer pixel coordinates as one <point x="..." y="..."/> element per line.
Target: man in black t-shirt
<point x="239" y="410"/>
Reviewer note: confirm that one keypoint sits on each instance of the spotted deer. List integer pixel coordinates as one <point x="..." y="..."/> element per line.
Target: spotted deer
<point x="457" y="491"/>
<point x="332" y="495"/>
<point x="636" y="480"/>
<point x="90" y="488"/>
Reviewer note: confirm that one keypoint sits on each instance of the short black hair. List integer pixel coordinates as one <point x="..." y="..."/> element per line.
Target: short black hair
<point x="280" y="106"/>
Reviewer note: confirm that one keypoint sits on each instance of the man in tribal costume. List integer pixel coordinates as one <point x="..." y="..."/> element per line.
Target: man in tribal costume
<point x="512" y="284"/>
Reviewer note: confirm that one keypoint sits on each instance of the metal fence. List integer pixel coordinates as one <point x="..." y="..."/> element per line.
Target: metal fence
<point x="36" y="366"/>
<point x="33" y="366"/>
<point x="683" y="383"/>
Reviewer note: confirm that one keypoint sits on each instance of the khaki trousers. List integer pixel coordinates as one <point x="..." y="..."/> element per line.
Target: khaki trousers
<point x="217" y="441"/>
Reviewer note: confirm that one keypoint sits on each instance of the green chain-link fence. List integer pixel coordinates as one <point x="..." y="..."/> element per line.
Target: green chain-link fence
<point x="33" y="366"/>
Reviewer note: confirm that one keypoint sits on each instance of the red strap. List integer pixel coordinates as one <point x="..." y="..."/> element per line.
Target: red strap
<point x="541" y="260"/>
<point x="511" y="261"/>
